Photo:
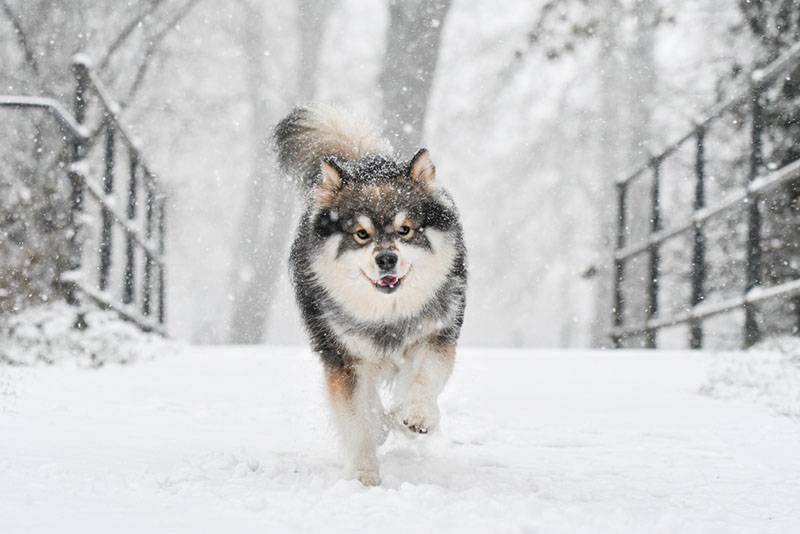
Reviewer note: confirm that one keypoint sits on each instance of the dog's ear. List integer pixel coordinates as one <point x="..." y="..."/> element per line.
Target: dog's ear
<point x="421" y="169"/>
<point x="332" y="177"/>
<point x="332" y="174"/>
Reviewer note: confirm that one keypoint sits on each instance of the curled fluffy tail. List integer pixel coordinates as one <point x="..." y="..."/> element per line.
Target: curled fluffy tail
<point x="308" y="135"/>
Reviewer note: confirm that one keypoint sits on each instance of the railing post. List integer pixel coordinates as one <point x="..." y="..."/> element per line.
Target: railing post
<point x="619" y="266"/>
<point x="655" y="257"/>
<point x="70" y="278"/>
<point x="162" y="228"/>
<point x="148" y="258"/>
<point x="76" y="175"/>
<point x="698" y="270"/>
<point x="108" y="190"/>
<point x="130" y="249"/>
<point x="753" y="277"/>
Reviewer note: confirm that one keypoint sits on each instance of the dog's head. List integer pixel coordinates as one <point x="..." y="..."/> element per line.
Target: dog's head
<point x="390" y="235"/>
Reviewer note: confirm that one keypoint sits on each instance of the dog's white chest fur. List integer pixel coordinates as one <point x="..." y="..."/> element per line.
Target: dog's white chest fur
<point x="365" y="349"/>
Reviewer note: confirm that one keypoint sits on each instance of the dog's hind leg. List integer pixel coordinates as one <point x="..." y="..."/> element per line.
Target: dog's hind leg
<point x="427" y="368"/>
<point x="357" y="414"/>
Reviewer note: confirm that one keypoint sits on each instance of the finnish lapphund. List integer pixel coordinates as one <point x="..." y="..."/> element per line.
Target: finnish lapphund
<point x="379" y="271"/>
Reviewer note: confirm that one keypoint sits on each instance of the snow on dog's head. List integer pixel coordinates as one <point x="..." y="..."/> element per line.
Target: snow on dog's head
<point x="388" y="236"/>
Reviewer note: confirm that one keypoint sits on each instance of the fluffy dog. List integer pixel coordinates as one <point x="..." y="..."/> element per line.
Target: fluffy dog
<point x="379" y="271"/>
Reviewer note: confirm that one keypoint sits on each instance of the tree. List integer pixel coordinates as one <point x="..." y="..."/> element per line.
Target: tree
<point x="612" y="166"/>
<point x="264" y="233"/>
<point x="412" y="50"/>
<point x="626" y="85"/>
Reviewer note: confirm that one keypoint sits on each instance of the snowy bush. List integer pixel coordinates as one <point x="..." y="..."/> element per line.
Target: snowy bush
<point x="768" y="374"/>
<point x="34" y="215"/>
<point x="47" y="334"/>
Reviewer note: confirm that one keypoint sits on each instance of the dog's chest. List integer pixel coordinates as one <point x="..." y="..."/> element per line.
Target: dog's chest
<point x="387" y="345"/>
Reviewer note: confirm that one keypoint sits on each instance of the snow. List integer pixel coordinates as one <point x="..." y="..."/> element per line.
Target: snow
<point x="237" y="439"/>
<point x="769" y="375"/>
<point x="46" y="333"/>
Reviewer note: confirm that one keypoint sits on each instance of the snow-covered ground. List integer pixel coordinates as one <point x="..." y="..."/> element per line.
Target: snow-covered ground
<point x="237" y="440"/>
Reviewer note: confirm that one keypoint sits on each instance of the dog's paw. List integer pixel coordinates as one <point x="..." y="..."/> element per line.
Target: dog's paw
<point x="365" y="469"/>
<point x="368" y="478"/>
<point x="419" y="418"/>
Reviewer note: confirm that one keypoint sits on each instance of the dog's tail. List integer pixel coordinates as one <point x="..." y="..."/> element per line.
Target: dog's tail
<point x="306" y="136"/>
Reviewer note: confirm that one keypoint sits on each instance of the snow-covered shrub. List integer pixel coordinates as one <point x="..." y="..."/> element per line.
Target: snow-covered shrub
<point x="46" y="334"/>
<point x="768" y="374"/>
<point x="34" y="214"/>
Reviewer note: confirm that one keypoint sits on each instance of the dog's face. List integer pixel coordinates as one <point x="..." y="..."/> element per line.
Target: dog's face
<point x="387" y="236"/>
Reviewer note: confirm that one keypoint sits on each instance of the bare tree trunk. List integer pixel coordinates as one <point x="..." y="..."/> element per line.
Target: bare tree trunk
<point x="245" y="318"/>
<point x="311" y="17"/>
<point x="412" y="50"/>
<point x="136" y="22"/>
<point x="264" y="232"/>
<point x="642" y="73"/>
<point x="611" y="81"/>
<point x="628" y="81"/>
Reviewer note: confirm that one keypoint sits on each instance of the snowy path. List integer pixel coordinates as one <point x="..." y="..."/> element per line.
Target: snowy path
<point x="237" y="440"/>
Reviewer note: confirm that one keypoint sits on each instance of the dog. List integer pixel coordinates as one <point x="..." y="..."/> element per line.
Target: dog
<point x="379" y="271"/>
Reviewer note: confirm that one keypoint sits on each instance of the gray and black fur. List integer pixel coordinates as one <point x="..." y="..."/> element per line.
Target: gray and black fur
<point x="379" y="271"/>
<point x="301" y="148"/>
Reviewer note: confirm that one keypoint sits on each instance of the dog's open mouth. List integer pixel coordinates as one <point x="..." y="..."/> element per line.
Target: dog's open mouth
<point x="387" y="283"/>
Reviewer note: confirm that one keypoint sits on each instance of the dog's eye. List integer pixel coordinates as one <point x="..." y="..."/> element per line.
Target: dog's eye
<point x="362" y="236"/>
<point x="405" y="231"/>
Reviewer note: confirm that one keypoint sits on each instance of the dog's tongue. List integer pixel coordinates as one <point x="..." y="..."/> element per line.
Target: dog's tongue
<point x="387" y="281"/>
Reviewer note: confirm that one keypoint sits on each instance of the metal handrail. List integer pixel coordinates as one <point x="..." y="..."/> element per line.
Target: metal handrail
<point x="759" y="78"/>
<point x="709" y="309"/>
<point x="748" y="197"/>
<point x="150" y="240"/>
<point x="760" y="185"/>
<point x="63" y="117"/>
<point x="112" y="111"/>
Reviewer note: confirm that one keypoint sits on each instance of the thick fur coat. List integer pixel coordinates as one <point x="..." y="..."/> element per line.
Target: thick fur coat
<point x="379" y="271"/>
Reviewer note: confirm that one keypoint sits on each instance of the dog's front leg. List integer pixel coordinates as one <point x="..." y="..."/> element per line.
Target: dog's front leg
<point x="425" y="372"/>
<point x="357" y="412"/>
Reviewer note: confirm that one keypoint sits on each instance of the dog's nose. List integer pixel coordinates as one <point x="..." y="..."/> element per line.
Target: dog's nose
<point x="386" y="260"/>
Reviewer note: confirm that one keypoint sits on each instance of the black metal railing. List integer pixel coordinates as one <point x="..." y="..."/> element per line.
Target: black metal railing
<point x="144" y="230"/>
<point x="748" y="197"/>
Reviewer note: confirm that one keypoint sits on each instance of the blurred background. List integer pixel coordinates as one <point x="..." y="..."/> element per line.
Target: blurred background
<point x="531" y="110"/>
